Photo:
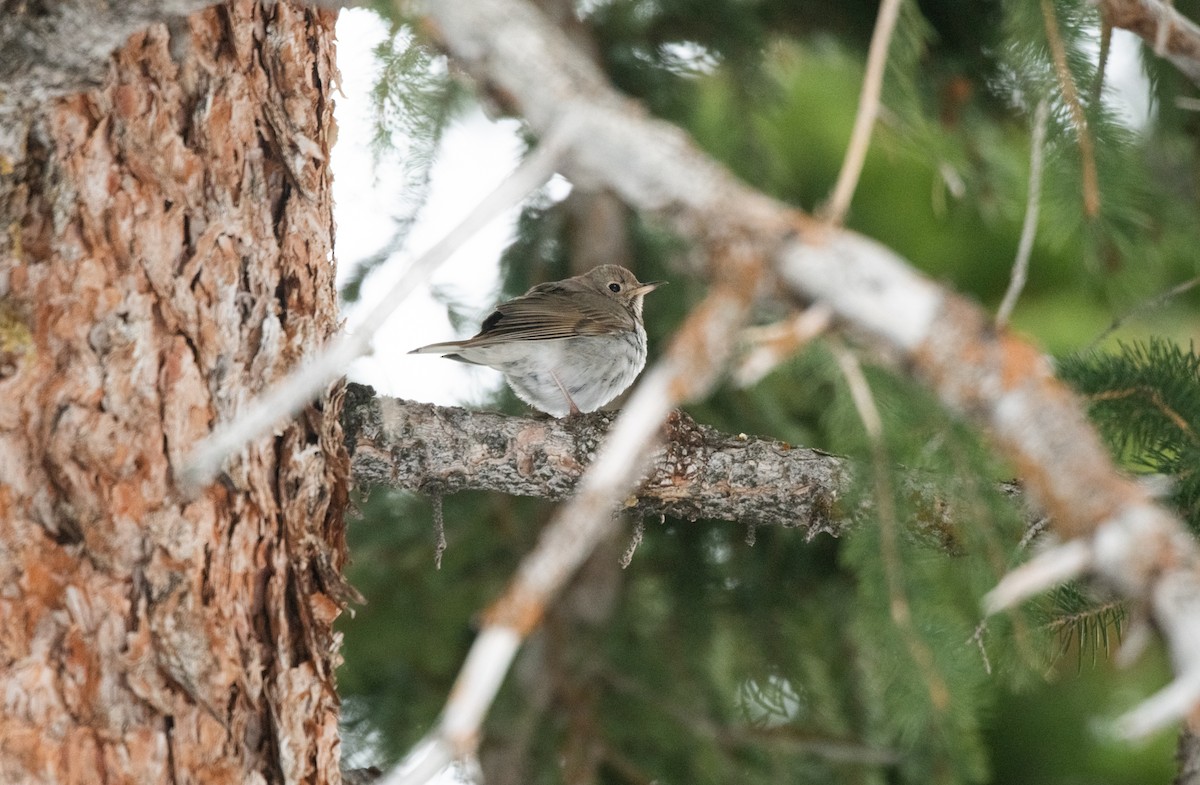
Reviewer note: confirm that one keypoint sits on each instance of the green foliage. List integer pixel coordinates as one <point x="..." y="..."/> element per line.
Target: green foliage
<point x="1084" y="626"/>
<point x="1146" y="400"/>
<point x="710" y="660"/>
<point x="408" y="641"/>
<point x="1053" y="736"/>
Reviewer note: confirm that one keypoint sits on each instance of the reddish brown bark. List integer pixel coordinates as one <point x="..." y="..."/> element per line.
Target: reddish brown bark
<point x="167" y="253"/>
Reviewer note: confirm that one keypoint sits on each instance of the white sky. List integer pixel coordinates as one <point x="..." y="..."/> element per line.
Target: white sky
<point x="1126" y="88"/>
<point x="475" y="156"/>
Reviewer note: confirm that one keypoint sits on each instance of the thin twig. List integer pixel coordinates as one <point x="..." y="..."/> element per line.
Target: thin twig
<point x="1156" y="399"/>
<point x="885" y="501"/>
<point x="977" y="639"/>
<point x="1157" y="301"/>
<point x="1106" y="30"/>
<point x="868" y="110"/>
<point x="1087" y="153"/>
<point x="439" y="528"/>
<point x="860" y="393"/>
<point x="1020" y="269"/>
<point x="639" y="532"/>
<point x="284" y="399"/>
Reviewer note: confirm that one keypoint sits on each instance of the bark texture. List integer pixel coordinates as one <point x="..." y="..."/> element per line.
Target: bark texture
<point x="167" y="253"/>
<point x="50" y="49"/>
<point x="696" y="471"/>
<point x="1187" y="755"/>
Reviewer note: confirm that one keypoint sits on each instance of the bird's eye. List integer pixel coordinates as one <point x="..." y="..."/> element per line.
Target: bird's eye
<point x="614" y="287"/>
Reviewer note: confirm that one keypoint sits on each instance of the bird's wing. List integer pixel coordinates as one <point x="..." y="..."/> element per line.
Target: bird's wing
<point x="547" y="315"/>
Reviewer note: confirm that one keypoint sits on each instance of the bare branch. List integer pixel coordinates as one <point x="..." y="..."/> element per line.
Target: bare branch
<point x="695" y="472"/>
<point x="868" y="111"/>
<point x="289" y="396"/>
<point x="1020" y="269"/>
<point x="1044" y="571"/>
<point x="767" y="347"/>
<point x="1157" y="301"/>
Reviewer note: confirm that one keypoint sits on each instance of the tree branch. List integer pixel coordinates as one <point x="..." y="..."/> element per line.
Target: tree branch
<point x="1020" y="270"/>
<point x="868" y="110"/>
<point x="1169" y="33"/>
<point x="696" y="471"/>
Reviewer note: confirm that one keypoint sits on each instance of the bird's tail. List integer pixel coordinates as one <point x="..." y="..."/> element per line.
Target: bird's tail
<point x="446" y="347"/>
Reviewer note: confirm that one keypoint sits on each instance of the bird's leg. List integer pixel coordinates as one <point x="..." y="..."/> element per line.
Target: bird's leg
<point x="574" y="409"/>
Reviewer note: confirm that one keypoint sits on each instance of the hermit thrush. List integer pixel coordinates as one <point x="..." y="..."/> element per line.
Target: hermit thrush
<point x="564" y="347"/>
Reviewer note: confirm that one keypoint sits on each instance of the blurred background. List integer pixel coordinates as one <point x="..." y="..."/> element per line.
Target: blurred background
<point x="726" y="656"/>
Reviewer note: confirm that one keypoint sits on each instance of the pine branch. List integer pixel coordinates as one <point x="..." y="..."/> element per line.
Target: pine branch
<point x="1070" y="93"/>
<point x="696" y="472"/>
<point x="1146" y="400"/>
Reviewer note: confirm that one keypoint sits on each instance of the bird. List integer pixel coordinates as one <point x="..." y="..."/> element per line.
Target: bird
<point x="564" y="347"/>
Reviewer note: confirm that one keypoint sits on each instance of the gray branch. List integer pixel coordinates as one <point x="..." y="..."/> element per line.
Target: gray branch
<point x="1187" y="755"/>
<point x="698" y="472"/>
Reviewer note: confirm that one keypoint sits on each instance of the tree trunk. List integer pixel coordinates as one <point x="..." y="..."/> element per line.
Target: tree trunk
<point x="166" y="253"/>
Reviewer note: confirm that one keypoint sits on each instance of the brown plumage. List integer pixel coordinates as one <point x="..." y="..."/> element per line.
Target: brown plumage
<point x="565" y="346"/>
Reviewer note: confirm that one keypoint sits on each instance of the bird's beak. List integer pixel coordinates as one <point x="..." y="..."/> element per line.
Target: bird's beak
<point x="646" y="288"/>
